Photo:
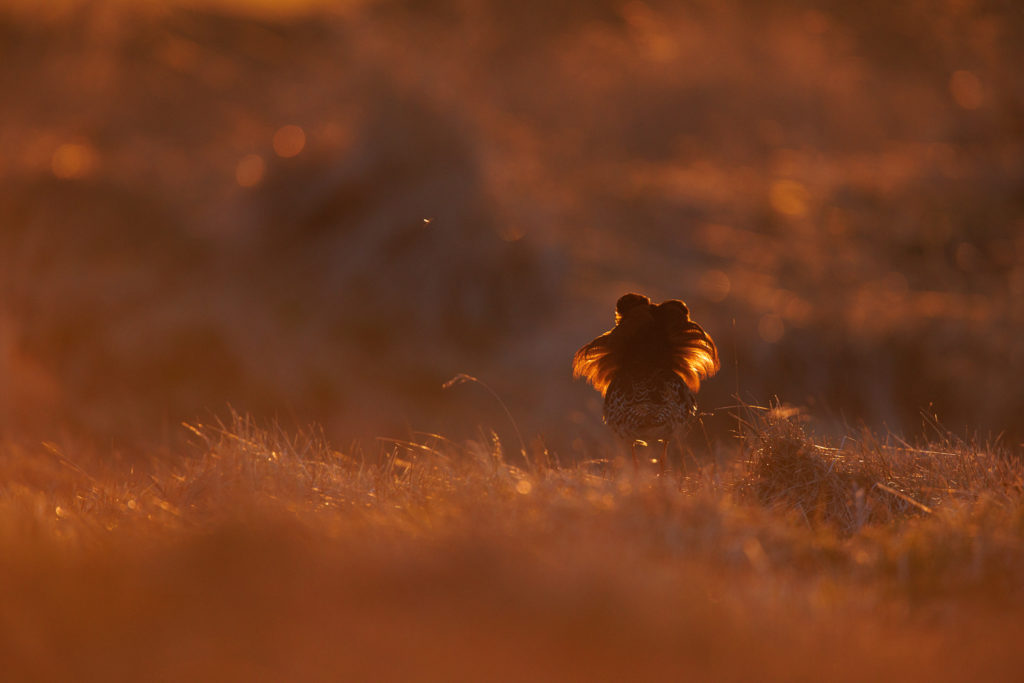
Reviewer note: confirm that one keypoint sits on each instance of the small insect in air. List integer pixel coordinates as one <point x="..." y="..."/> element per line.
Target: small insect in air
<point x="649" y="368"/>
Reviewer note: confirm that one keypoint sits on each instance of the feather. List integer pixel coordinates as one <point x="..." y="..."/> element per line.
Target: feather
<point x="648" y="336"/>
<point x="694" y="355"/>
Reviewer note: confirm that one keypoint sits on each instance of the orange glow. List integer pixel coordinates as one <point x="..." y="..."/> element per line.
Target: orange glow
<point x="289" y="141"/>
<point x="789" y="197"/>
<point x="73" y="160"/>
<point x="249" y="171"/>
<point x="966" y="89"/>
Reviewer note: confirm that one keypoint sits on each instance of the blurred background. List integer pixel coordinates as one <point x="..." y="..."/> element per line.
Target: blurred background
<point x="321" y="211"/>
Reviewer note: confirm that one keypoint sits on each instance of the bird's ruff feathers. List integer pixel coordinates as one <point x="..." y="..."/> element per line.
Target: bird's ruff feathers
<point x="695" y="357"/>
<point x="692" y="353"/>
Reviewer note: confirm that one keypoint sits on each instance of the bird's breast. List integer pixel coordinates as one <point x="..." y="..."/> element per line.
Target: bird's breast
<point x="649" y="407"/>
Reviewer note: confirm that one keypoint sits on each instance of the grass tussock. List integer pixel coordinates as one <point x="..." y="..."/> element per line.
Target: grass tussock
<point x="866" y="482"/>
<point x="944" y="519"/>
<point x="263" y="554"/>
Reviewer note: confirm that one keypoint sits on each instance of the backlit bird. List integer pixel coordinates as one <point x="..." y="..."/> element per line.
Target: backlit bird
<point x="648" y="368"/>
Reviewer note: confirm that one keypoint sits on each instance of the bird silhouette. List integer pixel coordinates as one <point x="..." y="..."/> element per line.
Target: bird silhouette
<point x="648" y="368"/>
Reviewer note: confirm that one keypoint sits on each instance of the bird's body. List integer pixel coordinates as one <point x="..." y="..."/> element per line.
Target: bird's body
<point x="649" y="368"/>
<point x="649" y="407"/>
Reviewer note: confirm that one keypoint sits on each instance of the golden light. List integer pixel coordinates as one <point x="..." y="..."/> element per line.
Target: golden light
<point x="73" y="160"/>
<point x="789" y="197"/>
<point x="250" y="169"/>
<point x="966" y="89"/>
<point x="770" y="328"/>
<point x="523" y="487"/>
<point x="289" y="141"/>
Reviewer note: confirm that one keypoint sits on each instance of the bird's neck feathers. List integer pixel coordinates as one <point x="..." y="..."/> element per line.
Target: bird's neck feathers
<point x="642" y="343"/>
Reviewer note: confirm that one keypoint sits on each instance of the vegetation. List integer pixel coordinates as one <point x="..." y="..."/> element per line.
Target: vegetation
<point x="262" y="555"/>
<point x="316" y="212"/>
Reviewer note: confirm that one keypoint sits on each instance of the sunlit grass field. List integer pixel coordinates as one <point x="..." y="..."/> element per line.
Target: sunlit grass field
<point x="264" y="555"/>
<point x="244" y="244"/>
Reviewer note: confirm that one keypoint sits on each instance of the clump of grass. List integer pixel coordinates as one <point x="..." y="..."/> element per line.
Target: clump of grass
<point x="867" y="482"/>
<point x="788" y="471"/>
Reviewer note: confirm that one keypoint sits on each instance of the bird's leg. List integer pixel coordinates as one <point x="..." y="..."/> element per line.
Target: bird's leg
<point x="632" y="450"/>
<point x="664" y="455"/>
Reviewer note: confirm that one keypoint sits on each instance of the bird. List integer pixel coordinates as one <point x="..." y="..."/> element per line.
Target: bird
<point x="649" y="368"/>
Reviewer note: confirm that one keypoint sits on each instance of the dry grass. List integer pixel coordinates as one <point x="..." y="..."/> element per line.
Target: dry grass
<point x="262" y="555"/>
<point x="832" y="186"/>
<point x="865" y="481"/>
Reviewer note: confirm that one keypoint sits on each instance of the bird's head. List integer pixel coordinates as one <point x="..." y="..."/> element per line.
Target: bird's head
<point x="630" y="303"/>
<point x="671" y="310"/>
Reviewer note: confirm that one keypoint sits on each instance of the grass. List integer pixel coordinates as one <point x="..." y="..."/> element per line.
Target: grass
<point x="265" y="555"/>
<point x="833" y="188"/>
